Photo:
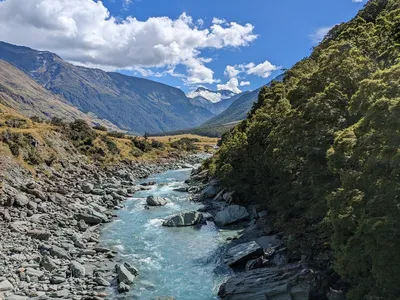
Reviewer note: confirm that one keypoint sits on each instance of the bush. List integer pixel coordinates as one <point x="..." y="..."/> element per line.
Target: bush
<point x="100" y="128"/>
<point x="116" y="134"/>
<point x="142" y="145"/>
<point x="157" y="144"/>
<point x="33" y="157"/>
<point x="14" y="148"/>
<point x="111" y="146"/>
<point x="186" y="144"/>
<point x="36" y="119"/>
<point x="56" y="121"/>
<point x="16" y="123"/>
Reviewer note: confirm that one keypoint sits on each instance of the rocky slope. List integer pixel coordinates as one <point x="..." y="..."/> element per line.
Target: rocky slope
<point x="50" y="222"/>
<point x="134" y="104"/>
<point x="20" y="92"/>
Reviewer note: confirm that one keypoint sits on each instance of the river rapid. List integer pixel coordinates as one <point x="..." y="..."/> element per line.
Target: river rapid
<point x="183" y="263"/>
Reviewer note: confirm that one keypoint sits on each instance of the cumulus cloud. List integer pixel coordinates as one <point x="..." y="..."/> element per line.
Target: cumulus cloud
<point x="358" y="1"/>
<point x="231" y="85"/>
<point x="319" y="34"/>
<point x="85" y="32"/>
<point x="263" y="70"/>
<point x="244" y="83"/>
<point x="231" y="71"/>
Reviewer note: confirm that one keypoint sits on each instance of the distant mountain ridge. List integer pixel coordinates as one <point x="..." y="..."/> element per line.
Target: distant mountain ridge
<point x="21" y="93"/>
<point x="135" y="104"/>
<point x="210" y="95"/>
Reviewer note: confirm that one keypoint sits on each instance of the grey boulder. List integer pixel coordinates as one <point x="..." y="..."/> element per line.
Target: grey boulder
<point x="77" y="270"/>
<point x="124" y="275"/>
<point x="184" y="219"/>
<point x="241" y="253"/>
<point x="156" y="201"/>
<point x="5" y="286"/>
<point x="230" y="215"/>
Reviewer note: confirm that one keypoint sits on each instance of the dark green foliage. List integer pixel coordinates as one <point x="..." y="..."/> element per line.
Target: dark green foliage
<point x="16" y="123"/>
<point x="186" y="144"/>
<point x="111" y="146"/>
<point x="322" y="147"/>
<point x="36" y="119"/>
<point x="142" y="145"/>
<point x="157" y="145"/>
<point x="57" y="121"/>
<point x="100" y="128"/>
<point x="116" y="134"/>
<point x="14" y="148"/>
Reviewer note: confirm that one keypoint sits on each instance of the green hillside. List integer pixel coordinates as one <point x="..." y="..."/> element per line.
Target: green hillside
<point x="321" y="151"/>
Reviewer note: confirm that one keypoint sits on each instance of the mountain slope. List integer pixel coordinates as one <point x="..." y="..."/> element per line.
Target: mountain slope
<point x="238" y="109"/>
<point x="132" y="103"/>
<point x="20" y="92"/>
<point x="320" y="152"/>
<point x="215" y="107"/>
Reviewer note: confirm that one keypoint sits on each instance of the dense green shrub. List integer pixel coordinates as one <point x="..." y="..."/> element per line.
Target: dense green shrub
<point x="116" y="134"/>
<point x="322" y="147"/>
<point x="157" y="144"/>
<point x="14" y="122"/>
<point x="100" y="128"/>
<point x="142" y="145"/>
<point x="186" y="144"/>
<point x="111" y="146"/>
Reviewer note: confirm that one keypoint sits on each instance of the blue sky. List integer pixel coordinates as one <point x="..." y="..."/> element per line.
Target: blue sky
<point x="184" y="43"/>
<point x="286" y="28"/>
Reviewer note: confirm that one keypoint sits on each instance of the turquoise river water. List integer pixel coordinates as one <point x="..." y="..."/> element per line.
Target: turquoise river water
<point x="183" y="263"/>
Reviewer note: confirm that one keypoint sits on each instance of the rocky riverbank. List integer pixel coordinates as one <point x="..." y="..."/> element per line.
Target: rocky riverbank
<point x="262" y="266"/>
<point x="50" y="222"/>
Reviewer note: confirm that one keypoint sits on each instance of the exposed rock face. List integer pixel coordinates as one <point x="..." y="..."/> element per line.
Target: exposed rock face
<point x="241" y="253"/>
<point x="156" y="201"/>
<point x="230" y="215"/>
<point x="267" y="283"/>
<point x="184" y="219"/>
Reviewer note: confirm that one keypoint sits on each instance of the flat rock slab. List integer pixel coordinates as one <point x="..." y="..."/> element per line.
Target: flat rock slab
<point x="230" y="215"/>
<point x="281" y="283"/>
<point x="242" y="253"/>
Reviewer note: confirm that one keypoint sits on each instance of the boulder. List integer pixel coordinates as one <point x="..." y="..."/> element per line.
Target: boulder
<point x="21" y="200"/>
<point x="42" y="235"/>
<point x="209" y="192"/>
<point x="267" y="283"/>
<point x="184" y="219"/>
<point x="34" y="273"/>
<point x="230" y="215"/>
<point x="124" y="275"/>
<point x="241" y="253"/>
<point x="77" y="270"/>
<point x="89" y="219"/>
<point x="59" y="252"/>
<point x="47" y="263"/>
<point x="6" y="286"/>
<point x="87" y="187"/>
<point x="156" y="201"/>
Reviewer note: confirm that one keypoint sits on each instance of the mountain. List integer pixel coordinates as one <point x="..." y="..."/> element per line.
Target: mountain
<point x="320" y="152"/>
<point x="20" y="92"/>
<point x="135" y="104"/>
<point x="214" y="101"/>
<point x="239" y="108"/>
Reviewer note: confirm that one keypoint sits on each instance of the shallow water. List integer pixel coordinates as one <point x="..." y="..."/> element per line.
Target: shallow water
<point x="179" y="262"/>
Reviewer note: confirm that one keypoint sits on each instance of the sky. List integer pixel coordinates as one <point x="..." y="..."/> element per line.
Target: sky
<point x="219" y="44"/>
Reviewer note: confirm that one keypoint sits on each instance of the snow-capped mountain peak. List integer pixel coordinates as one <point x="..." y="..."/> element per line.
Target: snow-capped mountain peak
<point x="212" y="96"/>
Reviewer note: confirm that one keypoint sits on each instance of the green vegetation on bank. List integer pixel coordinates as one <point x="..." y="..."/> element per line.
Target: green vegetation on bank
<point x="322" y="148"/>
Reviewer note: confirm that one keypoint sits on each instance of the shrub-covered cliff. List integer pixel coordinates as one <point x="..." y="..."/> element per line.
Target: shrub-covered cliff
<point x="321" y="151"/>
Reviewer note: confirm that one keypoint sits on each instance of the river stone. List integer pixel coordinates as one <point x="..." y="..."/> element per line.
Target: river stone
<point x="242" y="253"/>
<point x="5" y="286"/>
<point x="89" y="219"/>
<point x="87" y="187"/>
<point x="278" y="283"/>
<point x="184" y="219"/>
<point x="59" y="252"/>
<point x="77" y="270"/>
<point x="124" y="275"/>
<point x="123" y="287"/>
<point x="156" y="201"/>
<point x="33" y="272"/>
<point x="47" y="263"/>
<point x="209" y="192"/>
<point x="21" y="200"/>
<point x="42" y="235"/>
<point x="230" y="215"/>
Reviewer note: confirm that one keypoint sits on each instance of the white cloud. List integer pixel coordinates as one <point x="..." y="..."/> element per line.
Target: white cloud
<point x="358" y="1"/>
<point x="231" y="71"/>
<point x="218" y="21"/>
<point x="319" y="34"/>
<point x="231" y="85"/>
<point x="263" y="70"/>
<point x="244" y="83"/>
<point x="83" y="31"/>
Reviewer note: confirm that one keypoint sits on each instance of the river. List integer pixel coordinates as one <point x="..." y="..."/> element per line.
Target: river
<point x="183" y="263"/>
